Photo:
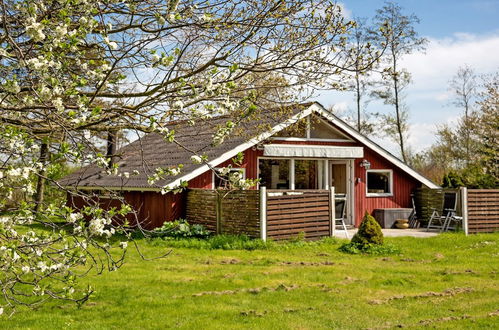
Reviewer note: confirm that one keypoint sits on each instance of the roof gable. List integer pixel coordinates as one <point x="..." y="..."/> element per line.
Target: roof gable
<point x="312" y="128"/>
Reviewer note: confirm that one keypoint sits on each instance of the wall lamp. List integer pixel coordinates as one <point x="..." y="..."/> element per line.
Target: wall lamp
<point x="366" y="164"/>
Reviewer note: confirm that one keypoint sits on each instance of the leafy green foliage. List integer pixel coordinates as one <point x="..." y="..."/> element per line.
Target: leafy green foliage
<point x="240" y="242"/>
<point x="181" y="229"/>
<point x="472" y="176"/>
<point x="373" y="249"/>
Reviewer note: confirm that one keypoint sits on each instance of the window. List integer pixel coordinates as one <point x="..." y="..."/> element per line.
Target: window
<point x="297" y="130"/>
<point x="320" y="130"/>
<point x="221" y="181"/>
<point x="274" y="173"/>
<point x="305" y="174"/>
<point x="379" y="182"/>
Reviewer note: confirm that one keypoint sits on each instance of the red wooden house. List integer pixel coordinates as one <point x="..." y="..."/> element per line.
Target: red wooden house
<point x="305" y="147"/>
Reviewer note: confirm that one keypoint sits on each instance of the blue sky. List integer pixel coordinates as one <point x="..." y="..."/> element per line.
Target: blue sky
<point x="459" y="32"/>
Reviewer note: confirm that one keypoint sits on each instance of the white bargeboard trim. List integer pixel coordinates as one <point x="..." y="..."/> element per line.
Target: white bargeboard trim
<point x="371" y="145"/>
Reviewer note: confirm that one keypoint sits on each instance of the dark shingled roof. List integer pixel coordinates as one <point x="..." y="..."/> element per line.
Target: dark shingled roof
<point x="152" y="151"/>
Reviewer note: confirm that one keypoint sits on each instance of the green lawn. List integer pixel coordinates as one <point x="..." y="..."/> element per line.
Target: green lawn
<point x="450" y="281"/>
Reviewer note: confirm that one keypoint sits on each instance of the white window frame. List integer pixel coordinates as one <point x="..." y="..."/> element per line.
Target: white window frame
<point x="390" y="185"/>
<point x="217" y="169"/>
<point x="292" y="170"/>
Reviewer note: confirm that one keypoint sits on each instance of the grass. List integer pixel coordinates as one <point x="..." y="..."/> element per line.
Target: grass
<point x="449" y="281"/>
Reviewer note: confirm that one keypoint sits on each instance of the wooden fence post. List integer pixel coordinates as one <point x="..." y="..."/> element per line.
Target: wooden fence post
<point x="218" y="212"/>
<point x="464" y="208"/>
<point x="263" y="213"/>
<point x="332" y="212"/>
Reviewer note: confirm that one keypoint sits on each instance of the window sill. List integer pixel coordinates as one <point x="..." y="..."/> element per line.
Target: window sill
<point x="379" y="195"/>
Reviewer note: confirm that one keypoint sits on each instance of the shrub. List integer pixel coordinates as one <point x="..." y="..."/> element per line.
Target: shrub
<point x="369" y="232"/>
<point x="368" y="240"/>
<point x="181" y="229"/>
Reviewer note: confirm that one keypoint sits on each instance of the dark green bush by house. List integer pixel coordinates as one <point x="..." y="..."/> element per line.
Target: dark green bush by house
<point x="368" y="239"/>
<point x="369" y="232"/>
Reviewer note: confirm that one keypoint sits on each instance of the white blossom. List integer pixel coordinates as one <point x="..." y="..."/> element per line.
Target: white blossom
<point x="73" y="217"/>
<point x="155" y="58"/>
<point x="113" y="45"/>
<point x="224" y="170"/>
<point x="57" y="102"/>
<point x="123" y="245"/>
<point x="178" y="105"/>
<point x="196" y="159"/>
<point x="42" y="266"/>
<point x="35" y="30"/>
<point x="161" y="20"/>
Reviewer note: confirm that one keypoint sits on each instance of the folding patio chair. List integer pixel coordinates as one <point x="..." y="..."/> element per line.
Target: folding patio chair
<point x="340" y="213"/>
<point x="448" y="214"/>
<point x="413" y="219"/>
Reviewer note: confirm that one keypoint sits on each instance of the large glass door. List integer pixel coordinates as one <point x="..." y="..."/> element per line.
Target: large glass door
<point x="341" y="178"/>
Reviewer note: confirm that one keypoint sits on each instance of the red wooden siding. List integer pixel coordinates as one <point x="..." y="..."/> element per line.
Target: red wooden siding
<point x="403" y="185"/>
<point x="250" y="164"/>
<point x="152" y="208"/>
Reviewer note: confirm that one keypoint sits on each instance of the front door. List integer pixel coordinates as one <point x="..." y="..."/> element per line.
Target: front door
<point x="341" y="179"/>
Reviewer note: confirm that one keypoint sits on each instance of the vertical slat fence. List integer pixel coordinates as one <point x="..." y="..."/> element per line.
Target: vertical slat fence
<point x="225" y="212"/>
<point x="290" y="213"/>
<point x="483" y="210"/>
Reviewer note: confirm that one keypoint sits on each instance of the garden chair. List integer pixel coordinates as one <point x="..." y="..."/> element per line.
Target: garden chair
<point x="413" y="219"/>
<point x="340" y="214"/>
<point x="447" y="215"/>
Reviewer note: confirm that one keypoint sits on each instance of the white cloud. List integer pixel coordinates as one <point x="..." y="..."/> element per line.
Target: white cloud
<point x="340" y="107"/>
<point x="434" y="68"/>
<point x="347" y="13"/>
<point x="428" y="98"/>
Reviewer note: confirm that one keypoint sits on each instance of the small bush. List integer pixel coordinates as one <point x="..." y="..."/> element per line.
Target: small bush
<point x="369" y="232"/>
<point x="181" y="229"/>
<point x="368" y="240"/>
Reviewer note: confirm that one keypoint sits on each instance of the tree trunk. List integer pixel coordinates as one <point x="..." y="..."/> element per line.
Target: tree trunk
<point x="111" y="147"/>
<point x="397" y="110"/>
<point x="40" y="185"/>
<point x="358" y="101"/>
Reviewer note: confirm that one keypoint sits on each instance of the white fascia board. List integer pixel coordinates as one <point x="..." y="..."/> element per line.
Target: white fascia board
<point x="364" y="140"/>
<point x="231" y="153"/>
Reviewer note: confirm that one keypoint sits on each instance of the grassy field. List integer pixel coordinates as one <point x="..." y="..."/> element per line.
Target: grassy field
<point x="450" y="281"/>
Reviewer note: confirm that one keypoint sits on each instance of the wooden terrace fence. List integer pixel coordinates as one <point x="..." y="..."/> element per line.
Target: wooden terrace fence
<point x="479" y="208"/>
<point x="482" y="213"/>
<point x="275" y="214"/>
<point x="222" y="212"/>
<point x="290" y="213"/>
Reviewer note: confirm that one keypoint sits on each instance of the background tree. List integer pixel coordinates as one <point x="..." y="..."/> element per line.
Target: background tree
<point x="73" y="70"/>
<point x="464" y="87"/>
<point x="447" y="160"/>
<point x="363" y="47"/>
<point x="401" y="39"/>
